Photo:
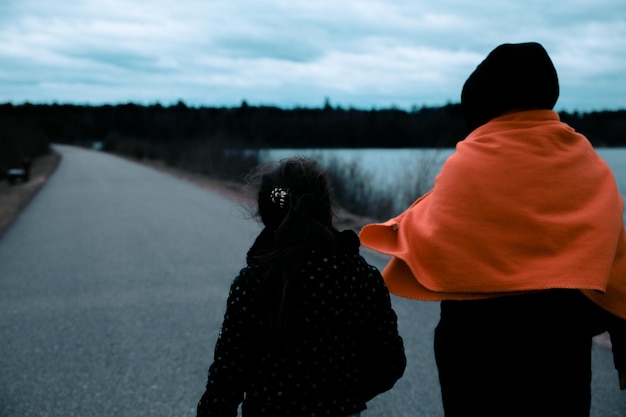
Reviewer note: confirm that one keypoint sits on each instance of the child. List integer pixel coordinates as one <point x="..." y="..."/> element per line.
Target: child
<point x="309" y="329"/>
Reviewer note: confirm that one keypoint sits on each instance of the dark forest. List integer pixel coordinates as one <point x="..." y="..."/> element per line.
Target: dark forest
<point x="168" y="132"/>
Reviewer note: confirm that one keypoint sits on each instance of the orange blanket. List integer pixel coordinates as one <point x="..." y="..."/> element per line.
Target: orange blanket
<point x="524" y="204"/>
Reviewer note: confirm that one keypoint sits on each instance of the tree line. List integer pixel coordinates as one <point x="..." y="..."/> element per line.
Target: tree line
<point x="169" y="132"/>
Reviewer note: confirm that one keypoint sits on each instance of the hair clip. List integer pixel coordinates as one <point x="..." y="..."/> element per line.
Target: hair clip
<point x="279" y="195"/>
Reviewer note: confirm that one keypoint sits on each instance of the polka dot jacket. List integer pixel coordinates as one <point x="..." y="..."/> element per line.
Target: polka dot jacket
<point x="337" y="345"/>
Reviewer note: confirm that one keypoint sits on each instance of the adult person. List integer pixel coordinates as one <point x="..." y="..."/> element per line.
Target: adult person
<point x="309" y="329"/>
<point x="522" y="240"/>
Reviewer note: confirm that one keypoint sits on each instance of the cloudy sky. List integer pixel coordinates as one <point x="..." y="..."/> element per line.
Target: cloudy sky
<point x="289" y="53"/>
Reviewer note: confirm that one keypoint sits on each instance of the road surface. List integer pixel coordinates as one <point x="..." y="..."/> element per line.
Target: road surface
<point x="113" y="283"/>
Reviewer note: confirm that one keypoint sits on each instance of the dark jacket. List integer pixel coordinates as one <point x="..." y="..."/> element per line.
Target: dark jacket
<point x="331" y="346"/>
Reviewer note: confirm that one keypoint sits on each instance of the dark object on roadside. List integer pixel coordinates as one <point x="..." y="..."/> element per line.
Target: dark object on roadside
<point x="21" y="174"/>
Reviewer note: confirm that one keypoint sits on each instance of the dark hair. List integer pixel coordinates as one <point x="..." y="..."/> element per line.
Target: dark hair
<point x="308" y="192"/>
<point x="294" y="204"/>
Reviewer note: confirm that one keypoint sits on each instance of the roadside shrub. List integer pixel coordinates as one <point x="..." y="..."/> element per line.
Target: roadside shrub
<point x="218" y="157"/>
<point x="353" y="190"/>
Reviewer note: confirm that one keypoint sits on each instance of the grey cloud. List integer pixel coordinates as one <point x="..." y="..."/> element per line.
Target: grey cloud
<point x="280" y="49"/>
<point x="359" y="53"/>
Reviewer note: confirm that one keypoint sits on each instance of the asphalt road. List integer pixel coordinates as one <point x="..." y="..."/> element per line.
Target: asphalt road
<point x="113" y="283"/>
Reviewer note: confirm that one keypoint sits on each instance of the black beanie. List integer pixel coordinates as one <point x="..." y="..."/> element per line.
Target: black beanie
<point x="513" y="76"/>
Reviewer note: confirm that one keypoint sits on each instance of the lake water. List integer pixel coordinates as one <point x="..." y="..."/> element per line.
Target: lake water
<point x="386" y="168"/>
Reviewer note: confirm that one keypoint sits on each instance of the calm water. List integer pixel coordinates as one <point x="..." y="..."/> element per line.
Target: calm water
<point x="383" y="166"/>
<point x="411" y="171"/>
<point x="389" y="167"/>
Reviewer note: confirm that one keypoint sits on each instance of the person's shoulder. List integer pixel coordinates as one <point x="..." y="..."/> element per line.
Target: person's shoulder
<point x="348" y="241"/>
<point x="350" y="244"/>
<point x="349" y="253"/>
<point x="249" y="276"/>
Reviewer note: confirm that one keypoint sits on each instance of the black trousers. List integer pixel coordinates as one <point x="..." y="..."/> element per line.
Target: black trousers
<point x="524" y="355"/>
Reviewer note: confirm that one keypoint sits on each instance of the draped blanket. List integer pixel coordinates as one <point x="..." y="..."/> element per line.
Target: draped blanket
<point x="524" y="204"/>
